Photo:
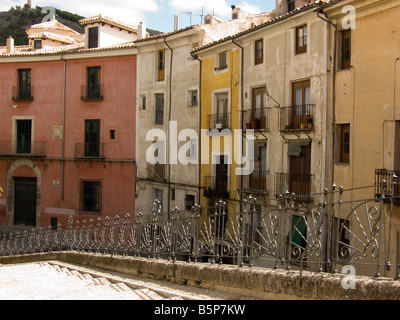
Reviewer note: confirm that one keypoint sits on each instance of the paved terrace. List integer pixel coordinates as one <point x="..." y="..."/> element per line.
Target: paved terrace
<point x="55" y="280"/>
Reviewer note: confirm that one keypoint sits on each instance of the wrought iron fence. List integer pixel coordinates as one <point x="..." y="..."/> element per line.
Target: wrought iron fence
<point x="321" y="237"/>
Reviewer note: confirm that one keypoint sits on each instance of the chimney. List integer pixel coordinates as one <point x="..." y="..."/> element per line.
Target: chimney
<point x="10" y="45"/>
<point x="176" y="23"/>
<point x="141" y="28"/>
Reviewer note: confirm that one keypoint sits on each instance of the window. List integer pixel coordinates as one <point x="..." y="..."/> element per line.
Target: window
<point x="158" y="195"/>
<point x="24" y="90"/>
<point x="24" y="136"/>
<point x="346" y="49"/>
<point x="91" y="196"/>
<point x="143" y="102"/>
<point x="222" y="61"/>
<point x="222" y="115"/>
<point x="193" y="150"/>
<point x="301" y="107"/>
<point x="161" y="65"/>
<point x="193" y="98"/>
<point x="112" y="135"/>
<point x="291" y="5"/>
<point x="37" y="44"/>
<point x="343" y="132"/>
<point x="190" y="201"/>
<point x="159" y="110"/>
<point x="259" y="52"/>
<point x="93" y="37"/>
<point x="301" y="39"/>
<point x="93" y="84"/>
<point x="92" y="138"/>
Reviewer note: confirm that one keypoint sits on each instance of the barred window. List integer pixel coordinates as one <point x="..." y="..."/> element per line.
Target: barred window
<point x="91" y="196"/>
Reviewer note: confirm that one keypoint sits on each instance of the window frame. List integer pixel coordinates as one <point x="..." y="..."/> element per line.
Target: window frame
<point x="161" y="64"/>
<point x="96" y="206"/>
<point x="222" y="61"/>
<point x="93" y="39"/>
<point x="345" y="49"/>
<point x="259" y="59"/>
<point x="300" y="49"/>
<point x="159" y="120"/>
<point x="344" y="135"/>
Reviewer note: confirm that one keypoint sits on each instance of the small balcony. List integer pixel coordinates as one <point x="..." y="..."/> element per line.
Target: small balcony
<point x="21" y="94"/>
<point x="215" y="189"/>
<point x="387" y="185"/>
<point x="218" y="121"/>
<point x="299" y="185"/>
<point x="92" y="92"/>
<point x="297" y="118"/>
<point x="89" y="150"/>
<point x="257" y="182"/>
<point x="23" y="149"/>
<point x="256" y="119"/>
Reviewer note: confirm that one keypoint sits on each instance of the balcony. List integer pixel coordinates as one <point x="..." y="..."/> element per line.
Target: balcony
<point x="92" y="92"/>
<point x="257" y="182"/>
<point x="388" y="189"/>
<point x="256" y="119"/>
<point x="20" y="94"/>
<point x="215" y="189"/>
<point x="299" y="185"/>
<point x="89" y="151"/>
<point x="297" y="118"/>
<point x="218" y="121"/>
<point x="26" y="149"/>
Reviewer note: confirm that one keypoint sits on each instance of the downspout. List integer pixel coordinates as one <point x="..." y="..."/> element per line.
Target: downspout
<point x="63" y="129"/>
<point x="169" y="120"/>
<point x="241" y="112"/>
<point x="200" y="141"/>
<point x="328" y="254"/>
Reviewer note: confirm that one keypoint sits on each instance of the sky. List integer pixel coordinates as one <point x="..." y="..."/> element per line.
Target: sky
<point x="156" y="14"/>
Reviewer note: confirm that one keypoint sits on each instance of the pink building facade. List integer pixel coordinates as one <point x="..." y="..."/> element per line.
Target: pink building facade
<point x="67" y="134"/>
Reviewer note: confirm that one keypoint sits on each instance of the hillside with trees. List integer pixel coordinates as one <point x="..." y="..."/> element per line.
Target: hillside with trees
<point x="15" y="22"/>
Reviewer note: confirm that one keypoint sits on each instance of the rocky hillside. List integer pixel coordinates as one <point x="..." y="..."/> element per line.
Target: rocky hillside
<point x="15" y="22"/>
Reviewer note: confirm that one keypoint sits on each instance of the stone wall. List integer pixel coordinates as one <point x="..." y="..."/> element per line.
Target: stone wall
<point x="258" y="283"/>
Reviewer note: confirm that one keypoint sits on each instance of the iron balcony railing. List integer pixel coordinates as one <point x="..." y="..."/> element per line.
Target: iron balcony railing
<point x="23" y="148"/>
<point x="297" y="118"/>
<point x="257" y="182"/>
<point x="387" y="185"/>
<point x="256" y="119"/>
<point x="89" y="150"/>
<point x="92" y="92"/>
<point x="218" y="121"/>
<point x="299" y="185"/>
<point x="215" y="188"/>
<point x="22" y="93"/>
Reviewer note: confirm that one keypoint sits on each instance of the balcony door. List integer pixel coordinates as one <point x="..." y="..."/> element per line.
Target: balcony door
<point x="301" y="100"/>
<point x="222" y="111"/>
<point x="94" y="78"/>
<point x="221" y="175"/>
<point x="300" y="170"/>
<point x="24" y="136"/>
<point x="92" y="138"/>
<point x="24" y="84"/>
<point x="258" y="119"/>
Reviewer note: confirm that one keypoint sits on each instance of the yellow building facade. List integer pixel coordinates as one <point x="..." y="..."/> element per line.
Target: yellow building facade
<point x="365" y="131"/>
<point x="220" y="117"/>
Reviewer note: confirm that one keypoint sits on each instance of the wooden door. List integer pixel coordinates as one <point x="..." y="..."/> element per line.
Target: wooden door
<point x="25" y="190"/>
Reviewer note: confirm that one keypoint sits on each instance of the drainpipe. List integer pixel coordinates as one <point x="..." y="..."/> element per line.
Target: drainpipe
<point x="63" y="129"/>
<point x="241" y="111"/>
<point x="328" y="254"/>
<point x="169" y="120"/>
<point x="199" y="106"/>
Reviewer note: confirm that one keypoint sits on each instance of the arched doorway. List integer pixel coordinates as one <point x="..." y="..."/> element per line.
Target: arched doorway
<point x="23" y="196"/>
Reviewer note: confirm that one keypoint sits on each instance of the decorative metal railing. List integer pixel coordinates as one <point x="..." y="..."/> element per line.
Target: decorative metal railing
<point x="322" y="237"/>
